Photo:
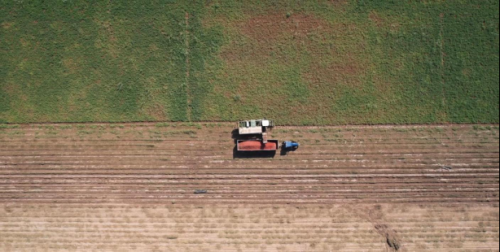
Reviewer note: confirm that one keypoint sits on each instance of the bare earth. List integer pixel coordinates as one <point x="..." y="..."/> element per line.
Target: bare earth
<point x="130" y="187"/>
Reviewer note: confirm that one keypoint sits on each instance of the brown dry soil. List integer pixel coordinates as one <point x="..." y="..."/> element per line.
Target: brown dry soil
<point x="130" y="187"/>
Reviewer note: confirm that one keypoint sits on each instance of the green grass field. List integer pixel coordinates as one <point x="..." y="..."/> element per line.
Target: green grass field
<point x="324" y="62"/>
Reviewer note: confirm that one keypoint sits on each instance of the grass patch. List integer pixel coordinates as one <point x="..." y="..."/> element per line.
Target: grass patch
<point x="162" y="125"/>
<point x="114" y="126"/>
<point x="300" y="63"/>
<point x="8" y="126"/>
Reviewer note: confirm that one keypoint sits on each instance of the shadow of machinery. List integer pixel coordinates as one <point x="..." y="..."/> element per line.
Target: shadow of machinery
<point x="283" y="151"/>
<point x="235" y="135"/>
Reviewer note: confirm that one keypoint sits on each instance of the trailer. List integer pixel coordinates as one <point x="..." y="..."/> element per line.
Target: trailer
<point x="257" y="146"/>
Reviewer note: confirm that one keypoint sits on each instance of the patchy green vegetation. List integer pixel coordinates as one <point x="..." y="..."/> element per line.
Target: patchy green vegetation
<point x="301" y="63"/>
<point x="120" y="61"/>
<point x="368" y="62"/>
<point x="446" y="54"/>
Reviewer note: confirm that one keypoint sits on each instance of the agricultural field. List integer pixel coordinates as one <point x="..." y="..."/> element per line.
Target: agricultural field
<point x="326" y="62"/>
<point x="130" y="187"/>
<point x="114" y="133"/>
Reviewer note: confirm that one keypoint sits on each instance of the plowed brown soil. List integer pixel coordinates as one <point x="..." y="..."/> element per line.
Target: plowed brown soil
<point x="131" y="188"/>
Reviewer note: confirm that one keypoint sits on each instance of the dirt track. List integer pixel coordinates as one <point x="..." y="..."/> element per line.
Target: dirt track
<point x="131" y="188"/>
<point x="146" y="164"/>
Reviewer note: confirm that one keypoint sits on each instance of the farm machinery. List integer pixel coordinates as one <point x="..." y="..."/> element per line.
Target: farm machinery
<point x="290" y="145"/>
<point x="253" y="136"/>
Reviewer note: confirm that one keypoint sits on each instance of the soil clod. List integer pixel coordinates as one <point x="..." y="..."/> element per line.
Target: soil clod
<point x="447" y="168"/>
<point x="200" y="192"/>
<point x="393" y="243"/>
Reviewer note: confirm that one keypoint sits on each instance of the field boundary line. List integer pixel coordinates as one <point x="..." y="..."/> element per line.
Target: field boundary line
<point x="229" y="123"/>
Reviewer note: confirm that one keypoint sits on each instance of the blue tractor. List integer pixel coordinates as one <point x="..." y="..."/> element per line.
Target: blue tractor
<point x="290" y="145"/>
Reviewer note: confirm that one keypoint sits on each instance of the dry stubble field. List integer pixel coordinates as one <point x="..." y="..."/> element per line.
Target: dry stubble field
<point x="130" y="187"/>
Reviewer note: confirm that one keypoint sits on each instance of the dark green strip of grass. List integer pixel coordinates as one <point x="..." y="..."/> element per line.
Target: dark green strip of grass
<point x="204" y="44"/>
